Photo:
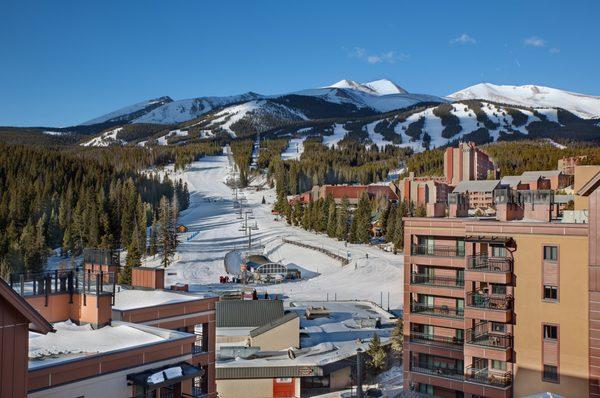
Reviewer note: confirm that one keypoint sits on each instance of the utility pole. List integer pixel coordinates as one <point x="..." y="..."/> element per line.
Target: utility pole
<point x="359" y="375"/>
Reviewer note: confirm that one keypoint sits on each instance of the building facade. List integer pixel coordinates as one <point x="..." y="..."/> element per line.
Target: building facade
<point x="503" y="308"/>
<point x="466" y="163"/>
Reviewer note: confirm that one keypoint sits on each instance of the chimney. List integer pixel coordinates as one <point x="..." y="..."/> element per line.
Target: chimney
<point x="436" y="209"/>
<point x="508" y="206"/>
<point x="150" y="278"/>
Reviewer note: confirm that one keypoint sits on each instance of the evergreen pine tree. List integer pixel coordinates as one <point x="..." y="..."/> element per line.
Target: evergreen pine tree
<point x="343" y="218"/>
<point x="331" y="220"/>
<point x="377" y="355"/>
<point x="397" y="338"/>
<point x="133" y="259"/>
<point x="390" y="229"/>
<point x="363" y="219"/>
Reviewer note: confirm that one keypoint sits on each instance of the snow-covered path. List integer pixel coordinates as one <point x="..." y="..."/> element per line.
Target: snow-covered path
<point x="199" y="261"/>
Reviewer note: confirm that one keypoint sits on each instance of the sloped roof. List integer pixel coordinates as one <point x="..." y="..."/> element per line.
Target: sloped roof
<point x="590" y="186"/>
<point x="271" y="325"/>
<point x="477" y="186"/>
<point x="248" y="313"/>
<point x="513" y="181"/>
<point x="37" y="322"/>
<point x="534" y="175"/>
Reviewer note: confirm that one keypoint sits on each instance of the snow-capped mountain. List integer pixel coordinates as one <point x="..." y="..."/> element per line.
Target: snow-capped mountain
<point x="130" y="113"/>
<point x="187" y="109"/>
<point x="355" y="98"/>
<point x="585" y="106"/>
<point x="377" y="87"/>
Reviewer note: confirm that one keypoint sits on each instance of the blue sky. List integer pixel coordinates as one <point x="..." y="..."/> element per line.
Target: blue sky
<point x="64" y="62"/>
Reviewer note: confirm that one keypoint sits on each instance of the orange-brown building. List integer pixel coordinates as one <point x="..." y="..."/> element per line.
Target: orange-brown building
<point x="467" y="163"/>
<point x="352" y="192"/>
<point x="504" y="308"/>
<point x="89" y="337"/>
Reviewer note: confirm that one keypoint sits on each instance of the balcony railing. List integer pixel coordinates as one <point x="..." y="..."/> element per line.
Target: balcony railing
<point x="484" y="263"/>
<point x="441" y="311"/>
<point x="198" y="349"/>
<point x="481" y="335"/>
<point x="489" y="377"/>
<point x="444" y="341"/>
<point x="487" y="301"/>
<point x="437" y="251"/>
<point x="439" y="281"/>
<point x="197" y="392"/>
<point x="429" y="369"/>
<point x="76" y="280"/>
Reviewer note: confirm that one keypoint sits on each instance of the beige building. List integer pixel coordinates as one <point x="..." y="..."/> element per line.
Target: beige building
<point x="504" y="308"/>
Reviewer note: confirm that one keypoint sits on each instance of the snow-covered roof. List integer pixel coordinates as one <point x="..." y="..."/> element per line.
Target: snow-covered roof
<point x="71" y="341"/>
<point x="129" y="299"/>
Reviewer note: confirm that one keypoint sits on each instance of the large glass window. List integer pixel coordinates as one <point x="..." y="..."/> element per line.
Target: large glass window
<point x="550" y="292"/>
<point x="550" y="253"/>
<point x="550" y="332"/>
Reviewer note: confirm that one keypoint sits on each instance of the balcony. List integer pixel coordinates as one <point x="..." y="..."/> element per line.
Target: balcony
<point x="442" y="341"/>
<point x="489" y="307"/>
<point x="437" y="251"/>
<point x="433" y="310"/>
<point x="436" y="370"/>
<point x="437" y="281"/>
<point x="198" y="350"/>
<point x="481" y="335"/>
<point x="489" y="301"/>
<point x="484" y="263"/>
<point x="488" y="377"/>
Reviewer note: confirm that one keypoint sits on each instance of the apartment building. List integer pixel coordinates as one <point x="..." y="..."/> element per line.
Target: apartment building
<point x="503" y="308"/>
<point x="467" y="163"/>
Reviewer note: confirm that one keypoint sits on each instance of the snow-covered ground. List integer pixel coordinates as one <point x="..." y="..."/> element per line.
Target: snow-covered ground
<point x="371" y="274"/>
<point x="294" y="150"/>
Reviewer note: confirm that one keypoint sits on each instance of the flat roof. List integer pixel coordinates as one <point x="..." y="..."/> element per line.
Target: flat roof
<point x="325" y="341"/>
<point x="130" y="299"/>
<point x="73" y="342"/>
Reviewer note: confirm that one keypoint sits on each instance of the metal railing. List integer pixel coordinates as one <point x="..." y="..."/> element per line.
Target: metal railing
<point x="484" y="263"/>
<point x="197" y="349"/>
<point x="489" y="301"/>
<point x="489" y="377"/>
<point x="429" y="369"/>
<point x="77" y="280"/>
<point x="481" y="335"/>
<point x="444" y="341"/>
<point x="440" y="281"/>
<point x="437" y="251"/>
<point x="441" y="311"/>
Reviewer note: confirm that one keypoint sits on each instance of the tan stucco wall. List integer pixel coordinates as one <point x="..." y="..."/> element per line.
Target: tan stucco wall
<point x="279" y="338"/>
<point x="582" y="175"/>
<point x="570" y="313"/>
<point x="340" y="378"/>
<point x="247" y="388"/>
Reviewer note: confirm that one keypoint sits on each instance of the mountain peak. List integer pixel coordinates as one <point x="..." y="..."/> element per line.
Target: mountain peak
<point x="376" y="87"/>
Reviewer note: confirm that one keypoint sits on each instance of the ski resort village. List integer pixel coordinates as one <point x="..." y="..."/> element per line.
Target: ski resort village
<point x="275" y="199"/>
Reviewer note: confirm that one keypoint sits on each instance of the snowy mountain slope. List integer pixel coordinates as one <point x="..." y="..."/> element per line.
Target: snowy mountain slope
<point x="584" y="106"/>
<point x="106" y="139"/>
<point x="435" y="126"/>
<point x="345" y="98"/>
<point x="129" y="113"/>
<point x="187" y="109"/>
<point x="377" y="87"/>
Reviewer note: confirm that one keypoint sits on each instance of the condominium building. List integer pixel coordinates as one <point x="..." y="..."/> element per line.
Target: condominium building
<point x="503" y="308"/>
<point x="467" y="163"/>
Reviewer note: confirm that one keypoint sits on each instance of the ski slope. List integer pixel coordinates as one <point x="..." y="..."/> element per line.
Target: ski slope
<point x="199" y="261"/>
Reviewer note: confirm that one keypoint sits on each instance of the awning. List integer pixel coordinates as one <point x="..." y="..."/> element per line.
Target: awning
<point x="499" y="240"/>
<point x="165" y="376"/>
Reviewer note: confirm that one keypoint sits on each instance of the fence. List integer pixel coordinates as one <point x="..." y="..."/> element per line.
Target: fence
<point x="331" y="254"/>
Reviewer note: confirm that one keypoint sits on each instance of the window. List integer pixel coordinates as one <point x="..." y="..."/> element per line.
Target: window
<point x="498" y="327"/>
<point x="498" y="365"/>
<point x="499" y="289"/>
<point x="498" y="251"/>
<point x="550" y="332"/>
<point x="550" y="292"/>
<point x="550" y="373"/>
<point x="550" y="253"/>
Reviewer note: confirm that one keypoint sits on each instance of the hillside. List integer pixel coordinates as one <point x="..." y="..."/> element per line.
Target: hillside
<point x="584" y="106"/>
